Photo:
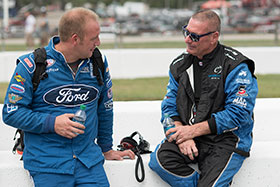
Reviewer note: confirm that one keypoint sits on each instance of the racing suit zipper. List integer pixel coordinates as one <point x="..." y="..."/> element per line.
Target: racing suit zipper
<point x="72" y="72"/>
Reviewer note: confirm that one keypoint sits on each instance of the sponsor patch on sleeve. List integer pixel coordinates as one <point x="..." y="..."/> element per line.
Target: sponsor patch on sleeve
<point x="11" y="108"/>
<point x="13" y="98"/>
<point x="110" y="93"/>
<point x="28" y="63"/>
<point x="17" y="88"/>
<point x="109" y="104"/>
<point x="242" y="91"/>
<point x="19" y="78"/>
<point x="240" y="102"/>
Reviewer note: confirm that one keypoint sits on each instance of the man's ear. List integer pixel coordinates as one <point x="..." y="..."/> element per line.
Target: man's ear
<point x="75" y="38"/>
<point x="215" y="37"/>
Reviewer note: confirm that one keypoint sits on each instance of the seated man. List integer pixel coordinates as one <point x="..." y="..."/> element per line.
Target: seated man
<point x="213" y="114"/>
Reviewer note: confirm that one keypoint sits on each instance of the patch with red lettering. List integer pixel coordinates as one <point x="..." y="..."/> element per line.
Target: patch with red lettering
<point x="27" y="61"/>
<point x="242" y="91"/>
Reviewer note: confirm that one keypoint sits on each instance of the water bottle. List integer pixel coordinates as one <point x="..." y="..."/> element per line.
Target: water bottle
<point x="80" y="115"/>
<point x="168" y="123"/>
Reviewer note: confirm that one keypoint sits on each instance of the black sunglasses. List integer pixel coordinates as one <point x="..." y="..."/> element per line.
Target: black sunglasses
<point x="194" y="37"/>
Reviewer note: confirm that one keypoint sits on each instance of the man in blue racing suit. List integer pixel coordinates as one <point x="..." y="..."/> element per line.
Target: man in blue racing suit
<point x="210" y="96"/>
<point x="59" y="151"/>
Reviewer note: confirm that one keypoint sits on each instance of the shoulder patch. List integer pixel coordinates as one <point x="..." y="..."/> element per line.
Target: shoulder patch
<point x="28" y="62"/>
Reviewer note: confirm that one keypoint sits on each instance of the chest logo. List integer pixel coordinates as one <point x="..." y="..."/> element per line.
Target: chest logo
<point x="218" y="70"/>
<point x="50" y="62"/>
<point x="71" y="95"/>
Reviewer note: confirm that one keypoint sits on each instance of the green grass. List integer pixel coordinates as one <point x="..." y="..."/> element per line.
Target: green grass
<point x="140" y="89"/>
<point x="16" y="47"/>
<point x="249" y="43"/>
<point x="181" y="44"/>
<point x="155" y="88"/>
<point x="3" y="89"/>
<point x="163" y="44"/>
<point x="269" y="85"/>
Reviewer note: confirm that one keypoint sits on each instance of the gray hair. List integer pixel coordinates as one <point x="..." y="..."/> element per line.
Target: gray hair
<point x="209" y="16"/>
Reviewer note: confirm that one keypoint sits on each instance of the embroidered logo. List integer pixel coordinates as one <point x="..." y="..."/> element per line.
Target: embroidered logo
<point x="240" y="102"/>
<point x="242" y="91"/>
<point x="11" y="108"/>
<point x="17" y="88"/>
<point x="52" y="70"/>
<point x="109" y="104"/>
<point x="27" y="61"/>
<point x="218" y="70"/>
<point x="71" y="95"/>
<point x="50" y="62"/>
<point x="19" y="78"/>
<point x="110" y="93"/>
<point x="13" y="98"/>
<point x="243" y="73"/>
<point x="242" y="81"/>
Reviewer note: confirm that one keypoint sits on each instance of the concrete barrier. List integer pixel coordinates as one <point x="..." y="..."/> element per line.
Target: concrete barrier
<point x="139" y="63"/>
<point x="261" y="169"/>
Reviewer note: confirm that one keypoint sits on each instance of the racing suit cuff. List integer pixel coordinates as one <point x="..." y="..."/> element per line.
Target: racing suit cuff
<point x="106" y="147"/>
<point x="49" y="124"/>
<point x="176" y="118"/>
<point x="212" y="125"/>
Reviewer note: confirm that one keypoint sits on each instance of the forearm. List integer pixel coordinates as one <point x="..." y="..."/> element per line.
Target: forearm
<point x="200" y="129"/>
<point x="187" y="132"/>
<point x="29" y="121"/>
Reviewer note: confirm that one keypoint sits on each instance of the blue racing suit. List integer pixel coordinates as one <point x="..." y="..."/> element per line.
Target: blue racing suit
<point x="227" y="99"/>
<point x="61" y="92"/>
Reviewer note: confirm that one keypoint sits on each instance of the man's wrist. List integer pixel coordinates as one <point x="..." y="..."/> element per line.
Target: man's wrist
<point x="201" y="128"/>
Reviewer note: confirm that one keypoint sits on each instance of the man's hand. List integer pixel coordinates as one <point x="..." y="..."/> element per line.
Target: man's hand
<point x="189" y="148"/>
<point x="187" y="132"/>
<point x="118" y="155"/>
<point x="65" y="127"/>
<point x="181" y="133"/>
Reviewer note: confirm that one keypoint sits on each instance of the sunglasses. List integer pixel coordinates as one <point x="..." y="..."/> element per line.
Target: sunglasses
<point x="194" y="37"/>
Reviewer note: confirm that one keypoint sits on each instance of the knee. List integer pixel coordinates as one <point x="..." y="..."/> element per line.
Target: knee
<point x="170" y="175"/>
<point x="171" y="161"/>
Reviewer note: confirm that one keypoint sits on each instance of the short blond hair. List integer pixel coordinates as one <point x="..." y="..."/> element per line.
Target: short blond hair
<point x="74" y="21"/>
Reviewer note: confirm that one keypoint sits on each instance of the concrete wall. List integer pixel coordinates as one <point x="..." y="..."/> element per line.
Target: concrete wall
<point x="137" y="63"/>
<point x="260" y="169"/>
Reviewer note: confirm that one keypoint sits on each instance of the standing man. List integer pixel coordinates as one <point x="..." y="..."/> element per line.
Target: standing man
<point x="58" y="151"/>
<point x="213" y="114"/>
<point x="44" y="28"/>
<point x="29" y="29"/>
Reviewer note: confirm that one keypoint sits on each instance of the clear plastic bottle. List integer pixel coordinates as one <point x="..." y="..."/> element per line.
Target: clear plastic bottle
<point x="80" y="115"/>
<point x="168" y="123"/>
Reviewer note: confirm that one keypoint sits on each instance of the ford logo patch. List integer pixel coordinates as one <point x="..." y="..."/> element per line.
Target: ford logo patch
<point x="71" y="95"/>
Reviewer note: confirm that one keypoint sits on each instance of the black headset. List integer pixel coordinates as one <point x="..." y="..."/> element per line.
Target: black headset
<point x="138" y="148"/>
<point x="129" y="143"/>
